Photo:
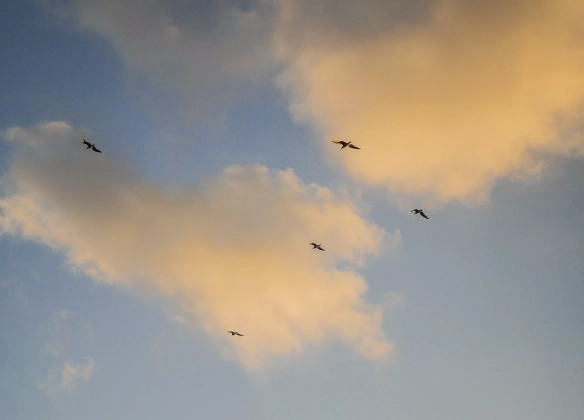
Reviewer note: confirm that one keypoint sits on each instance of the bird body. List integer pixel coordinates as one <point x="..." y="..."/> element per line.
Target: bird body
<point x="420" y="212"/>
<point x="345" y="144"/>
<point x="235" y="333"/>
<point x="90" y="146"/>
<point x="316" y="246"/>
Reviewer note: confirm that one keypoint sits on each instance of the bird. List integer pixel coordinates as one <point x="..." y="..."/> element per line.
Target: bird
<point x="235" y="333"/>
<point x="345" y="144"/>
<point x="90" y="146"/>
<point x="316" y="246"/>
<point x="420" y="212"/>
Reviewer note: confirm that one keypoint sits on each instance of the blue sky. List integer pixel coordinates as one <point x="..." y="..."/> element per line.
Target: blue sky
<point x="120" y="272"/>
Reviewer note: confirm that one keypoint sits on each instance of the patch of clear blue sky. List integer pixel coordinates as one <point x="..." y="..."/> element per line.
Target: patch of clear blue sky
<point x="492" y="325"/>
<point x="53" y="72"/>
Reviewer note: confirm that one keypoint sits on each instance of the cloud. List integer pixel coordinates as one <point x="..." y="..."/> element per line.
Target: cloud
<point x="443" y="96"/>
<point x="233" y="254"/>
<point x="68" y="377"/>
<point x="206" y="53"/>
<point x="65" y="332"/>
<point x="444" y="101"/>
<point x="59" y="337"/>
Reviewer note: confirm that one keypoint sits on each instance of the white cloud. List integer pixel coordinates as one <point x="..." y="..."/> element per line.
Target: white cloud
<point x="233" y="255"/>
<point x="68" y="377"/>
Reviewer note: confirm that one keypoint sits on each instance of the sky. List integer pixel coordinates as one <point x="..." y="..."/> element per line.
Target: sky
<point x="121" y="272"/>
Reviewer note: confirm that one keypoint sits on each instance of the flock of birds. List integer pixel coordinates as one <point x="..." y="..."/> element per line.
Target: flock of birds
<point x="314" y="245"/>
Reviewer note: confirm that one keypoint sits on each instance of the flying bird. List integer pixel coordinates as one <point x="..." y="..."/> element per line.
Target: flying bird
<point x="420" y="212"/>
<point x="235" y="333"/>
<point x="345" y="144"/>
<point x="91" y="146"/>
<point x="316" y="246"/>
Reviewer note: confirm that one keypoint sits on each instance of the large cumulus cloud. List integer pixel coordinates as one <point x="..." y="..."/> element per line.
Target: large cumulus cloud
<point x="443" y="105"/>
<point x="233" y="253"/>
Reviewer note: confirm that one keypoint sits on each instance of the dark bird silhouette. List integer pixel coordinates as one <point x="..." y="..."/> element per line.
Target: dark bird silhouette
<point x="345" y="144"/>
<point x="91" y="146"/>
<point x="316" y="246"/>
<point x="420" y="212"/>
<point x="235" y="333"/>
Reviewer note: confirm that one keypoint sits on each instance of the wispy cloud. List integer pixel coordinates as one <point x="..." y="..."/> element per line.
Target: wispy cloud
<point x="66" y="332"/>
<point x="233" y="255"/>
<point x="58" y="338"/>
<point x="68" y="377"/>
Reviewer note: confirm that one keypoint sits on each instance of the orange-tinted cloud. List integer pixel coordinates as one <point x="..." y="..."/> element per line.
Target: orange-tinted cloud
<point x="233" y="254"/>
<point x="444" y="103"/>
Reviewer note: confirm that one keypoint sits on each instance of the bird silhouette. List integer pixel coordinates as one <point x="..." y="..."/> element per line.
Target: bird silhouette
<point x="91" y="146"/>
<point x="420" y="212"/>
<point x="235" y="333"/>
<point x="345" y="144"/>
<point x="316" y="246"/>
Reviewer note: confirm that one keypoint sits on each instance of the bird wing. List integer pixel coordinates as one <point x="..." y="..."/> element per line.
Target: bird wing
<point x="84" y="141"/>
<point x="322" y="249"/>
<point x="95" y="149"/>
<point x="352" y="146"/>
<point x="423" y="215"/>
<point x="241" y="335"/>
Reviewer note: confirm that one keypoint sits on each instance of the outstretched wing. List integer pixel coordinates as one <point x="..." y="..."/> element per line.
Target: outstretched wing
<point x="423" y="215"/>
<point x="95" y="149"/>
<point x="352" y="146"/>
<point x="241" y="335"/>
<point x="322" y="249"/>
<point x="85" y="142"/>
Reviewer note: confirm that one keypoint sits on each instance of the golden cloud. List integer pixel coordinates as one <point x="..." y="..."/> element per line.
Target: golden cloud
<point x="233" y="254"/>
<point x="444" y="104"/>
